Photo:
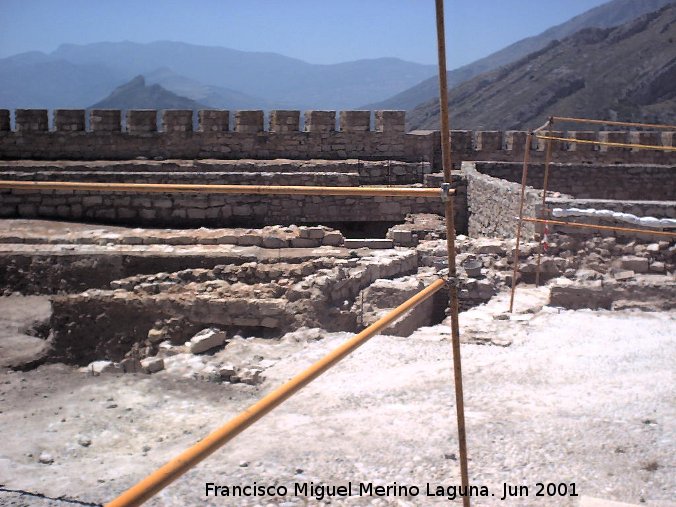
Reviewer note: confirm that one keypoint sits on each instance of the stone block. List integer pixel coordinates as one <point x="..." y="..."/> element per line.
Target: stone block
<point x="4" y="120"/>
<point x="645" y="138"/>
<point x="206" y="339"/>
<point x="227" y="370"/>
<point x="488" y="140"/>
<point x="515" y="141"/>
<point x="273" y="242"/>
<point x="320" y="121"/>
<point x="390" y="121"/>
<point x="355" y="121"/>
<point x="311" y="232"/>
<point x="669" y="139"/>
<point x="402" y="237"/>
<point x="177" y="120"/>
<point x="334" y="238"/>
<point x="612" y="137"/>
<point x="31" y="120"/>
<point x="658" y="267"/>
<point x="583" y="136"/>
<point x="105" y="120"/>
<point x="284" y="121"/>
<point x="461" y="141"/>
<point x="213" y="120"/>
<point x="69" y="120"/>
<point x="541" y="144"/>
<point x="634" y="263"/>
<point x="152" y="364"/>
<point x="249" y="122"/>
<point x="140" y="121"/>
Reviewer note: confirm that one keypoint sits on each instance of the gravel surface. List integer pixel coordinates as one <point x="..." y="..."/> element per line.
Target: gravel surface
<point x="584" y="397"/>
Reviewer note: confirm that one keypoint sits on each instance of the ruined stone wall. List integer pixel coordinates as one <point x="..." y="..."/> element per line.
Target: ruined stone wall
<point x="323" y="137"/>
<point x="494" y="203"/>
<point x="209" y="210"/>
<point x="180" y="210"/>
<point x="360" y="172"/>
<point x="584" y="181"/>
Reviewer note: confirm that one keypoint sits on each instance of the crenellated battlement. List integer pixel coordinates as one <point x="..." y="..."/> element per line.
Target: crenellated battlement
<point x="101" y="134"/>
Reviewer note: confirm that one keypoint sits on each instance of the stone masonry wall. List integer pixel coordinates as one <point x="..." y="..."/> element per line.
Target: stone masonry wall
<point x="175" y="137"/>
<point x="494" y="203"/>
<point x="209" y="210"/>
<point x="584" y="181"/>
<point x="221" y="210"/>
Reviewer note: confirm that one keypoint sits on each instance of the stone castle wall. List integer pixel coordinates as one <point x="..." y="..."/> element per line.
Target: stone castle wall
<point x="493" y="200"/>
<point x="326" y="135"/>
<point x="195" y="210"/>
<point x="584" y="181"/>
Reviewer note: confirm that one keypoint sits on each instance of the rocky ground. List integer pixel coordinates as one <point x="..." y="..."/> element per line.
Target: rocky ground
<point x="582" y="397"/>
<point x="184" y="329"/>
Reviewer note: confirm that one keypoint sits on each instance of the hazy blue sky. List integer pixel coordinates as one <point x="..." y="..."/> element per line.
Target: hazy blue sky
<point x="318" y="31"/>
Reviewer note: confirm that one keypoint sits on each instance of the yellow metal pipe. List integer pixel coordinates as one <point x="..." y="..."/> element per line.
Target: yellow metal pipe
<point x="221" y="189"/>
<point x="524" y="179"/>
<point x="156" y="481"/>
<point x="606" y="143"/>
<point x="616" y="123"/>
<point x="449" y="213"/>
<point x="601" y="227"/>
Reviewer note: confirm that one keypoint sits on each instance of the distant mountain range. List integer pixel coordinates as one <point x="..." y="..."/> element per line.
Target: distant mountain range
<point x="136" y="95"/>
<point x="627" y="72"/>
<point x="79" y="75"/>
<point x="191" y="76"/>
<point x="614" y="13"/>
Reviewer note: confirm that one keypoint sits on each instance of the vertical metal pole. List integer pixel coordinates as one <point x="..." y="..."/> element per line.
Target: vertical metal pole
<point x="450" y="245"/>
<point x="548" y="160"/>
<point x="524" y="177"/>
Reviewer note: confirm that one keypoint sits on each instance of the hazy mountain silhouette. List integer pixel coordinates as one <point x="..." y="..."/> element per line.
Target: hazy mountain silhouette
<point x="627" y="72"/>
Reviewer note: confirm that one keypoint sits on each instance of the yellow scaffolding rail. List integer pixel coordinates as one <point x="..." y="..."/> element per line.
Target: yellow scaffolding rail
<point x="221" y="189"/>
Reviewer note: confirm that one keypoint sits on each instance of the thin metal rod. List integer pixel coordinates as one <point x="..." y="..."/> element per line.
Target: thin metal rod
<point x="450" y="246"/>
<point x="601" y="227"/>
<point x="606" y="143"/>
<point x="548" y="160"/>
<point x="220" y="189"/>
<point x="617" y="123"/>
<point x="524" y="177"/>
<point x="172" y="470"/>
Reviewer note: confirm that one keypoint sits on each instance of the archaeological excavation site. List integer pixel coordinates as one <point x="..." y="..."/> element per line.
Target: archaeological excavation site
<point x="159" y="278"/>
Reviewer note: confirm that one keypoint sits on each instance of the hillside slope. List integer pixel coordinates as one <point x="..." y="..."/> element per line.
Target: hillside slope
<point x="628" y="72"/>
<point x="611" y="14"/>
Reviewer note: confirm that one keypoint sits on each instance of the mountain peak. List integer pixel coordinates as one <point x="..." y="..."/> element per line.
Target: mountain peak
<point x="136" y="95"/>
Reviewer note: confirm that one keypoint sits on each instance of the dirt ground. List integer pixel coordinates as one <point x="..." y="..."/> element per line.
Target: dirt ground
<point x="583" y="397"/>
